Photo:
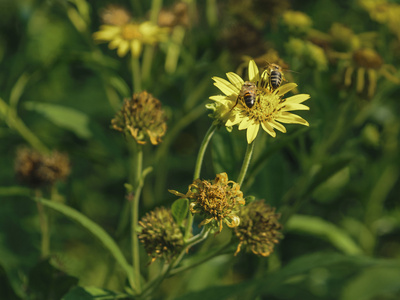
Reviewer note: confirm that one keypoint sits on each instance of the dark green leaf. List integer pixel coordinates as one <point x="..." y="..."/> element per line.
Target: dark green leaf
<point x="180" y="209"/>
<point x="48" y="282"/>
<point x="6" y="290"/>
<point x="65" y="117"/>
<point x="90" y="293"/>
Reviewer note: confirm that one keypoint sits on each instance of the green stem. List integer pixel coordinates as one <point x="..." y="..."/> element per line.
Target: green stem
<point x="136" y="75"/>
<point x="155" y="10"/>
<point x="44" y="228"/>
<point x="13" y="121"/>
<point x="190" y="243"/>
<point x="246" y="162"/>
<point x="135" y="216"/>
<point x="205" y="258"/>
<point x="197" y="170"/>
<point x="202" y="150"/>
<point x="147" y="62"/>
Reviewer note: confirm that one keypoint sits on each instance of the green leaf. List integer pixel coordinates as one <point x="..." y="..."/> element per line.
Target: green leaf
<point x="65" y="117"/>
<point x="321" y="228"/>
<point x="90" y="293"/>
<point x="95" y="229"/>
<point x="374" y="282"/>
<point x="6" y="289"/>
<point x="180" y="209"/>
<point x="48" y="282"/>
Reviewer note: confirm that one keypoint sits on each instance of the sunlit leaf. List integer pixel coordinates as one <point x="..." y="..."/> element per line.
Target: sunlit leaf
<point x="180" y="209"/>
<point x="65" y="117"/>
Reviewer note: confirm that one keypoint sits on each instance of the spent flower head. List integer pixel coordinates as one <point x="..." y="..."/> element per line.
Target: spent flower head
<point x="268" y="110"/>
<point x="259" y="229"/>
<point x="160" y="234"/>
<point x="142" y="117"/>
<point x="130" y="36"/>
<point x="217" y="201"/>
<point x="115" y="15"/>
<point x="37" y="170"/>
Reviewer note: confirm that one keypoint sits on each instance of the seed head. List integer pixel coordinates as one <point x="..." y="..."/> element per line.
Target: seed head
<point x="161" y="236"/>
<point x="142" y="117"/>
<point x="259" y="229"/>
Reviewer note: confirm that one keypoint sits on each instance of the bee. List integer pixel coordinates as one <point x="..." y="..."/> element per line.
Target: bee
<point x="248" y="93"/>
<point x="275" y="76"/>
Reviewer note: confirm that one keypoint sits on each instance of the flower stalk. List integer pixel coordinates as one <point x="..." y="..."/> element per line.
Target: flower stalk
<point x="197" y="170"/>
<point x="135" y="215"/>
<point x="246" y="162"/>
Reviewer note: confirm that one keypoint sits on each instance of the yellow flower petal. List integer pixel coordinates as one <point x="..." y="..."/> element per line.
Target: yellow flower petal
<point x="225" y="86"/>
<point x="298" y="98"/>
<point x="277" y="126"/>
<point x="136" y="48"/>
<point x="268" y="129"/>
<point x="294" y="106"/>
<point x="235" y="79"/>
<point x="106" y="33"/>
<point x="254" y="74"/>
<point x="123" y="48"/>
<point x="219" y="98"/>
<point x="360" y="79"/>
<point x="290" y="118"/>
<point x="245" y="123"/>
<point x="283" y="89"/>
<point x="251" y="133"/>
<point x="235" y="119"/>
<point x="115" y="43"/>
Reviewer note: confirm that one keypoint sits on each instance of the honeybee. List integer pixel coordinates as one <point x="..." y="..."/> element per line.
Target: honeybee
<point x="248" y="93"/>
<point x="275" y="76"/>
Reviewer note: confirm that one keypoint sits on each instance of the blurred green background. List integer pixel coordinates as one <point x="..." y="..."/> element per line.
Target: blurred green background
<point x="336" y="182"/>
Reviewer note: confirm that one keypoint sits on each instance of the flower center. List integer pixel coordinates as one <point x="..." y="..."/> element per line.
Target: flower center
<point x="265" y="108"/>
<point x="131" y="32"/>
<point x="367" y="58"/>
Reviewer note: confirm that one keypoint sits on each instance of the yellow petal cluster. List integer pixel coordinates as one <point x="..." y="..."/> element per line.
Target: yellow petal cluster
<point x="271" y="108"/>
<point x="130" y="36"/>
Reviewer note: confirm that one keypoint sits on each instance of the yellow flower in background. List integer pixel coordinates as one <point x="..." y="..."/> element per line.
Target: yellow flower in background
<point x="368" y="66"/>
<point x="130" y="36"/>
<point x="269" y="110"/>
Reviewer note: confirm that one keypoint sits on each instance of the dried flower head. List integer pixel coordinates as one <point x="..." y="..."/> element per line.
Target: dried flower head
<point x="217" y="201"/>
<point x="142" y="117"/>
<point x="115" y="15"/>
<point x="37" y="170"/>
<point x="160" y="235"/>
<point x="268" y="105"/>
<point x="130" y="36"/>
<point x="177" y="16"/>
<point x="259" y="229"/>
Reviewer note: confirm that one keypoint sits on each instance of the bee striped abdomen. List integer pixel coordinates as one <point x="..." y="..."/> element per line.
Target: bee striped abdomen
<point x="249" y="98"/>
<point x="276" y="79"/>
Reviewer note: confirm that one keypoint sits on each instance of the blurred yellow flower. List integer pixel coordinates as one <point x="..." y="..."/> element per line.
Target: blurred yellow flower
<point x="130" y="36"/>
<point x="269" y="108"/>
<point x="369" y="66"/>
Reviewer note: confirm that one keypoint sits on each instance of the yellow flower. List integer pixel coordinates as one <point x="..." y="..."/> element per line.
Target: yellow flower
<point x="297" y="21"/>
<point x="130" y="36"/>
<point x="368" y="66"/>
<point x="270" y="107"/>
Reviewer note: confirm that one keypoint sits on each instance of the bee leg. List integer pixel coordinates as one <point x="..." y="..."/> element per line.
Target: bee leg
<point x="237" y="101"/>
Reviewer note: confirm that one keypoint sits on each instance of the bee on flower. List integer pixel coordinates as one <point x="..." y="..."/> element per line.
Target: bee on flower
<point x="270" y="107"/>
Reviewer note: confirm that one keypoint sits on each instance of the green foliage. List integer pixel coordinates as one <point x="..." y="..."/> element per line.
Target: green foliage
<point x="335" y="183"/>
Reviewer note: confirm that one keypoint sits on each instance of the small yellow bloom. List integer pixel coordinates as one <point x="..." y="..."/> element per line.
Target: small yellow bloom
<point x="297" y="21"/>
<point x="368" y="66"/>
<point x="269" y="109"/>
<point x="130" y="36"/>
<point x="218" y="201"/>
